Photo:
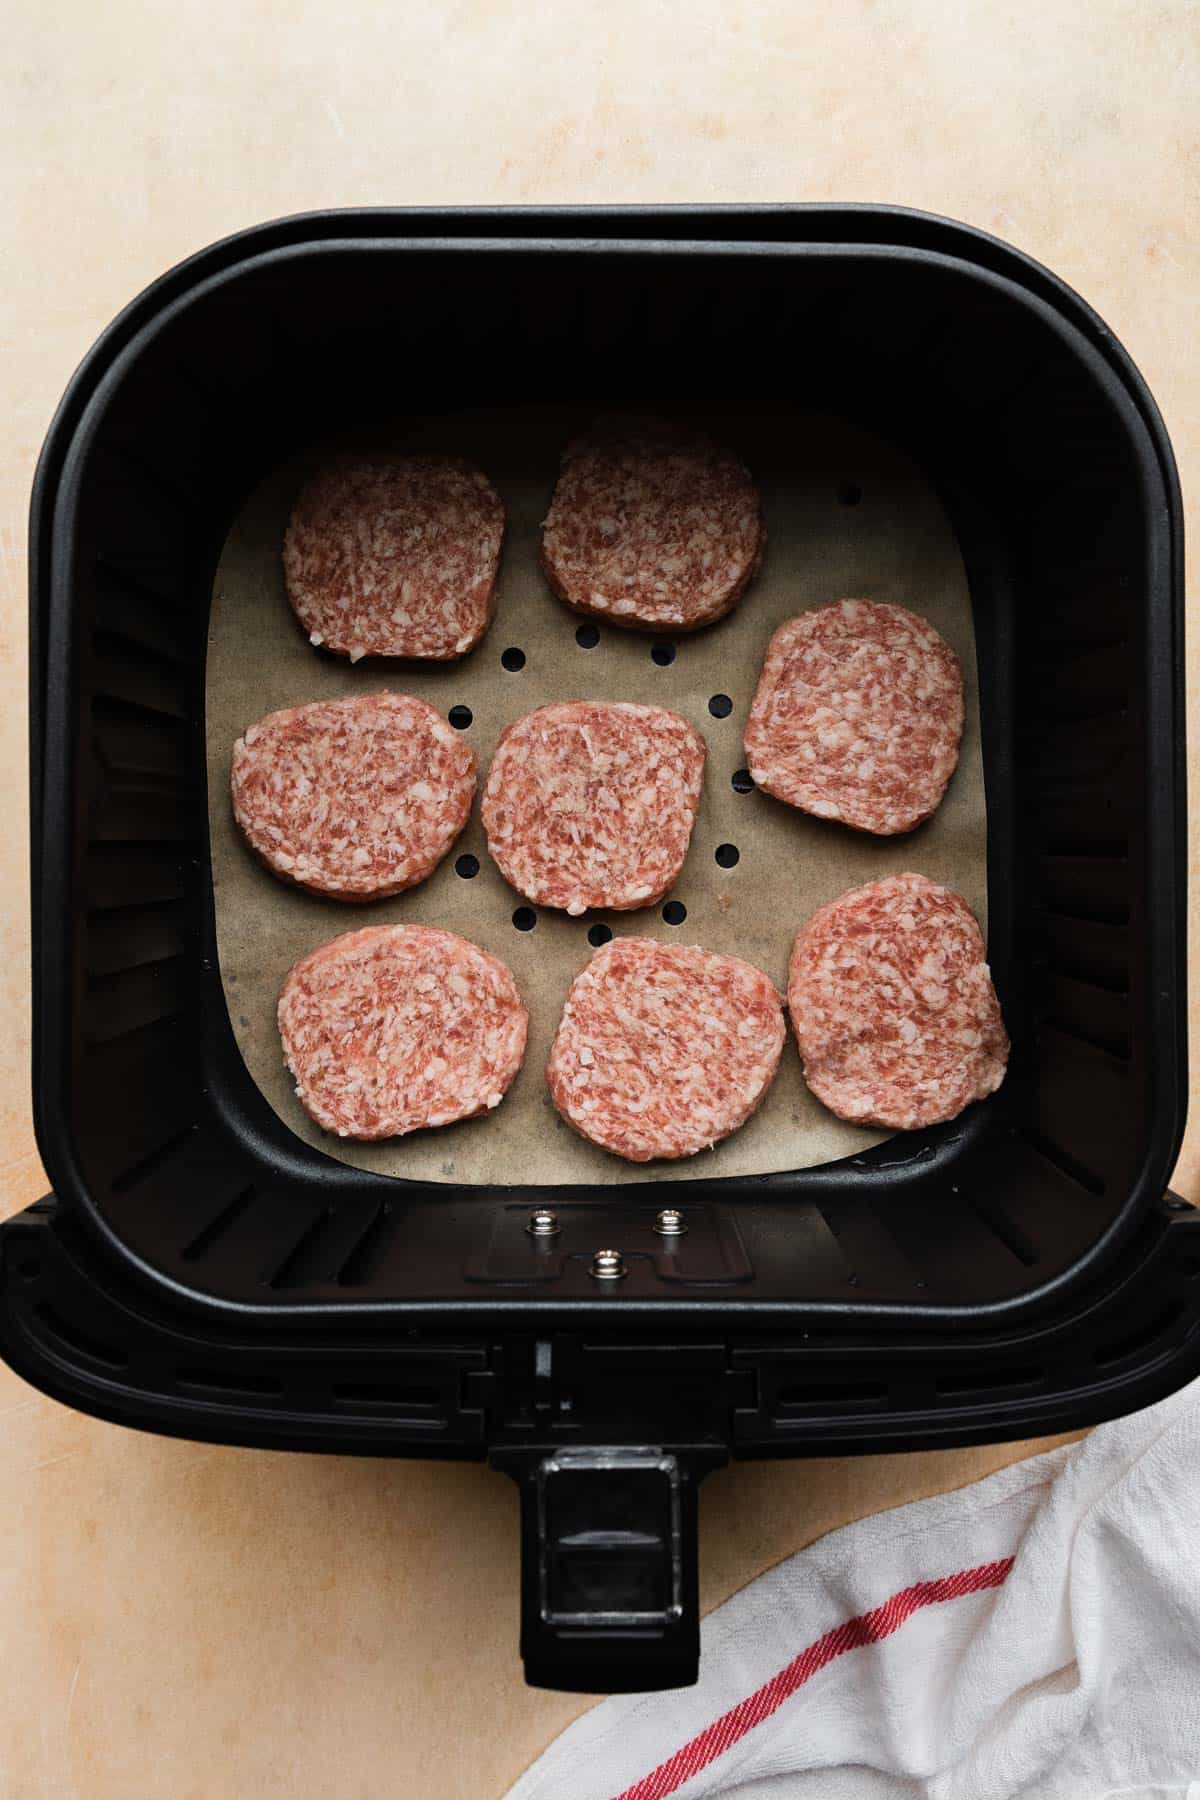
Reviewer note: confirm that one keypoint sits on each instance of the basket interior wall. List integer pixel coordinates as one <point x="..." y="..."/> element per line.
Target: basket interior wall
<point x="173" y="1144"/>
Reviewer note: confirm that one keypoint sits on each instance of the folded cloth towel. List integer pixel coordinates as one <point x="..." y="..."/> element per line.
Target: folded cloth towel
<point x="1034" y="1635"/>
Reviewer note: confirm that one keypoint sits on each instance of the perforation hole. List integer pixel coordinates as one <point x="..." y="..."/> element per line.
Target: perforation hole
<point x="662" y="654"/>
<point x="467" y="866"/>
<point x="742" y="782"/>
<point x="599" y="934"/>
<point x="674" y="912"/>
<point x="512" y="659"/>
<point x="849" y="494"/>
<point x="460" y="717"/>
<point x="720" y="706"/>
<point x="524" y="918"/>
<point x="587" y="637"/>
<point x="728" y="855"/>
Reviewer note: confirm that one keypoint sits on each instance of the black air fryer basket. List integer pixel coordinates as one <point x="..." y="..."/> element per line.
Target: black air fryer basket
<point x="202" y="1271"/>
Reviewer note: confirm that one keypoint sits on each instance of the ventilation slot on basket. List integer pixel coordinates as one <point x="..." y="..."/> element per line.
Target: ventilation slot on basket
<point x="117" y="640"/>
<point x="139" y="613"/>
<point x="1093" y="890"/>
<point x="1090" y="911"/>
<point x="118" y="877"/>
<point x="1081" y="681"/>
<point x="136" y="744"/>
<point x="1063" y="1161"/>
<point x="217" y="1227"/>
<point x="1087" y="963"/>
<point x="134" y="999"/>
<point x="222" y="1381"/>
<point x="367" y="1256"/>
<point x="874" y="1255"/>
<point x="154" y="1159"/>
<point x="138" y="677"/>
<point x="1098" y="1033"/>
<point x="132" y="812"/>
<point x="830" y="1396"/>
<point x="152" y="477"/>
<point x="1009" y="1233"/>
<point x="100" y="1042"/>
<point x="394" y="1396"/>
<point x="1093" y="845"/>
<point x="303" y="1262"/>
<point x="1146" y="1337"/>
<point x="135" y="937"/>
<point x="79" y="1341"/>
<point x="1115" y="1051"/>
<point x="982" y="1382"/>
<point x="1062" y="710"/>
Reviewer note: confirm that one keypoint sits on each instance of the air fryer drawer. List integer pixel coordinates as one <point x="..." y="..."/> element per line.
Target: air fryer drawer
<point x="1046" y="461"/>
<point x="203" y="1270"/>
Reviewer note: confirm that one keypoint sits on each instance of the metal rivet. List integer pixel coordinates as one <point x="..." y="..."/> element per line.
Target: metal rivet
<point x="543" y="1223"/>
<point x="607" y="1265"/>
<point x="669" y="1222"/>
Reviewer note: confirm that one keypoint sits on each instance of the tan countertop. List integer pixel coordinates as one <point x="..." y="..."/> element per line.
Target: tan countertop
<point x="182" y="1622"/>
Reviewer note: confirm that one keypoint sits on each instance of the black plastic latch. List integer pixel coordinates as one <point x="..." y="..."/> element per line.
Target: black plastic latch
<point x="609" y="1596"/>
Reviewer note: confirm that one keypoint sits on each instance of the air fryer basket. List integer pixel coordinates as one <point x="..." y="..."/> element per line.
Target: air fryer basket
<point x="203" y="1271"/>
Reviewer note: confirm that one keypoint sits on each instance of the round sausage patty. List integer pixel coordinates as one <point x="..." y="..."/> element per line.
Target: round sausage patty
<point x="353" y="798"/>
<point x="858" y="716"/>
<point x="398" y="1027"/>
<point x="591" y="803"/>
<point x="395" y="556"/>
<point x="662" y="1049"/>
<point x="893" y="1005"/>
<point x="651" y="525"/>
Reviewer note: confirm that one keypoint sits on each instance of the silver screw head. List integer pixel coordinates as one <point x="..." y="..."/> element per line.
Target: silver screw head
<point x="669" y="1222"/>
<point x="607" y="1265"/>
<point x="543" y="1223"/>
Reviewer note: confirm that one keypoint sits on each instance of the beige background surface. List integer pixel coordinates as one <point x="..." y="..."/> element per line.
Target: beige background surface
<point x="193" y="1622"/>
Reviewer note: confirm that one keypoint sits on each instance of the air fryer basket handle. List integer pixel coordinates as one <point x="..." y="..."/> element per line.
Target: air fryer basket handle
<point x="609" y="1592"/>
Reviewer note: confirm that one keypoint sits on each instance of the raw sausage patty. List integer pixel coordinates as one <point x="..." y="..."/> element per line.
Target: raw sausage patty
<point x="353" y="798"/>
<point x="893" y="1005"/>
<point x="395" y="556"/>
<point x="397" y="1027"/>
<point x="589" y="803"/>
<point x="857" y="716"/>
<point x="651" y="525"/>
<point x="664" y="1050"/>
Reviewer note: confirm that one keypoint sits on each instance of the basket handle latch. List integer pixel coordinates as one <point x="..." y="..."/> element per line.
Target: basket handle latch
<point x="609" y="1594"/>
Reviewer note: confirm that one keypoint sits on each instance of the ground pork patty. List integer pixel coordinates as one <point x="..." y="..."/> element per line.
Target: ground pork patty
<point x="353" y="798"/>
<point x="397" y="1027"/>
<point x="591" y="803"/>
<point x="893" y="1005"/>
<point x="664" y="1049"/>
<point x="858" y="716"/>
<point x="395" y="556"/>
<point x="652" y="526"/>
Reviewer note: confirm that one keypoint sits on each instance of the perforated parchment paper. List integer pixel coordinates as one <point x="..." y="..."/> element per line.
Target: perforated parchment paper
<point x="846" y="516"/>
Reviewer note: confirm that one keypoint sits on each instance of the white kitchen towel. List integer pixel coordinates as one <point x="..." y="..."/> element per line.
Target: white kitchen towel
<point x="1035" y="1635"/>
